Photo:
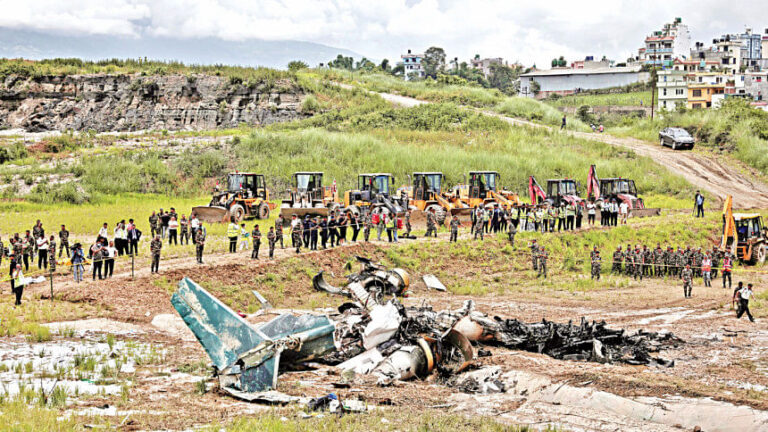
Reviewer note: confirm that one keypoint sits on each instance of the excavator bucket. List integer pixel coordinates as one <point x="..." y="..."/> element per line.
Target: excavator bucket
<point x="645" y="212"/>
<point x="211" y="214"/>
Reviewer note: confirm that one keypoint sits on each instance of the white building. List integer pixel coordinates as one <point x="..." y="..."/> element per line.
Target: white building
<point x="731" y="54"/>
<point x="673" y="89"/>
<point x="663" y="46"/>
<point x="413" y="67"/>
<point x="565" y="81"/>
<point x="485" y="64"/>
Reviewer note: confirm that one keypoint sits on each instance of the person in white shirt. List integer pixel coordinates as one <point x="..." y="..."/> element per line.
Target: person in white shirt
<point x="624" y="209"/>
<point x="19" y="282"/>
<point x="110" y="252"/>
<point x="173" y="230"/>
<point x="42" y="253"/>
<point x="194" y="224"/>
<point x="104" y="232"/>
<point x="614" y="213"/>
<point x="743" y="295"/>
<point x="591" y="213"/>
<point x="244" y="234"/>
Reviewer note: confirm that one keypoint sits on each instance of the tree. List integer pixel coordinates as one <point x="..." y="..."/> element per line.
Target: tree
<point x="398" y="70"/>
<point x="384" y="65"/>
<point x="342" y="62"/>
<point x="503" y="78"/>
<point x="434" y="61"/>
<point x="297" y="65"/>
<point x="365" y="64"/>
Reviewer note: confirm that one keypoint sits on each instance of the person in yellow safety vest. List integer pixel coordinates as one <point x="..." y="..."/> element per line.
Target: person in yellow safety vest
<point x="530" y="219"/>
<point x="570" y="215"/>
<point x="544" y="220"/>
<point x="560" y="218"/>
<point x="232" y="231"/>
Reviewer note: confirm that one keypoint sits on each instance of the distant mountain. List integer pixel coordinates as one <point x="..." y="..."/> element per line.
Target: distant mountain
<point x="253" y="52"/>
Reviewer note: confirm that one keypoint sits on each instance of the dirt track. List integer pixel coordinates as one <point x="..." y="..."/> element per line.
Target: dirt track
<point x="704" y="172"/>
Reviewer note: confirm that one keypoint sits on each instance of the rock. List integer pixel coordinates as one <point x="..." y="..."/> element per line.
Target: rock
<point x="134" y="102"/>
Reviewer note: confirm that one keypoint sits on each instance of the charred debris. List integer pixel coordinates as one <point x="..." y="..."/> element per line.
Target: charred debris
<point x="373" y="333"/>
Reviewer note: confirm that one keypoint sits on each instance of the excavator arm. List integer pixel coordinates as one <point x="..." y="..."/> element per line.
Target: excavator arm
<point x="593" y="183"/>
<point x="537" y="193"/>
<point x="729" y="226"/>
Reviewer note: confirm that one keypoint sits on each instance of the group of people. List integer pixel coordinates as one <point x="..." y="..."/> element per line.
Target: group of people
<point x="177" y="229"/>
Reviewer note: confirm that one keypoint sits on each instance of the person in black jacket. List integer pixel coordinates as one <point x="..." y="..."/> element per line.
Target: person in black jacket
<point x="323" y="226"/>
<point x="10" y="272"/>
<point x="332" y="230"/>
<point x="313" y="226"/>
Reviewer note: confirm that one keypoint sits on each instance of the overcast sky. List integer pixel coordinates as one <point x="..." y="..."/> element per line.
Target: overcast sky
<point x="526" y="31"/>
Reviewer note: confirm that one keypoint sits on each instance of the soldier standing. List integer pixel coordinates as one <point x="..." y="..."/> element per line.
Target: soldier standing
<point x="279" y="231"/>
<point x="715" y="255"/>
<point x="698" y="258"/>
<point x="431" y="229"/>
<point x="617" y="256"/>
<point x="511" y="233"/>
<point x="407" y="224"/>
<point x="272" y="239"/>
<point x="658" y="260"/>
<point x="597" y="263"/>
<point x="199" y="243"/>
<point x="543" y="256"/>
<point x="479" y="224"/>
<point x="51" y="253"/>
<point x="679" y="261"/>
<point x="63" y="241"/>
<point x="367" y="225"/>
<point x="256" y="238"/>
<point x="455" y="222"/>
<point x="638" y="261"/>
<point x="647" y="261"/>
<point x="629" y="261"/>
<point x="534" y="255"/>
<point x="296" y="234"/>
<point x="154" y="247"/>
<point x="687" y="276"/>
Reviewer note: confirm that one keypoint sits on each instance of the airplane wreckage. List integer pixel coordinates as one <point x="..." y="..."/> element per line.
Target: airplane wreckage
<point x="373" y="333"/>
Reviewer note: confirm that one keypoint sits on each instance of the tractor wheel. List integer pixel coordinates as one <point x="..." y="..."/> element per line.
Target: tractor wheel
<point x="237" y="212"/>
<point x="263" y="211"/>
<point x="761" y="253"/>
<point x="353" y="209"/>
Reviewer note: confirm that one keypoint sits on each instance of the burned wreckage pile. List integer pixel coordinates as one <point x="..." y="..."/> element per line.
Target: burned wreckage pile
<point x="373" y="333"/>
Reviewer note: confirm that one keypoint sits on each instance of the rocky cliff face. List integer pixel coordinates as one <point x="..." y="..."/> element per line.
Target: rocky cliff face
<point x="133" y="102"/>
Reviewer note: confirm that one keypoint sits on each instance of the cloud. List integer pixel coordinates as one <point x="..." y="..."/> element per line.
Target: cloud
<point x="516" y="30"/>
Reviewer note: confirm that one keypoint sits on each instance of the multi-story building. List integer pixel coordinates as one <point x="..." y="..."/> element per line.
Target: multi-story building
<point x="731" y="51"/>
<point x="672" y="89"/>
<point x="764" y="45"/>
<point x="694" y="65"/>
<point x="751" y="46"/>
<point x="663" y="46"/>
<point x="485" y="64"/>
<point x="756" y="85"/>
<point x="702" y="86"/>
<point x="412" y="66"/>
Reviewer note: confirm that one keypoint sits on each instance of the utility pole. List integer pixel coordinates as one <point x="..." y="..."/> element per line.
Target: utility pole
<point x="654" y="83"/>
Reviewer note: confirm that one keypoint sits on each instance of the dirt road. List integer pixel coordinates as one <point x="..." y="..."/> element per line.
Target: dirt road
<point x="704" y="172"/>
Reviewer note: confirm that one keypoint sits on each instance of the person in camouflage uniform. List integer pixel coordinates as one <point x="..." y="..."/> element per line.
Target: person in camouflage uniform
<point x="37" y="232"/>
<point x="715" y="255"/>
<point x="597" y="263"/>
<point x="18" y="245"/>
<point x="534" y="255"/>
<point x="687" y="276"/>
<point x="63" y="241"/>
<point x="511" y="234"/>
<point x="658" y="261"/>
<point x="153" y="221"/>
<point x="478" y="227"/>
<point x="455" y="223"/>
<point x="367" y="224"/>
<point x="256" y="238"/>
<point x="637" y="260"/>
<point x="154" y="248"/>
<point x="51" y="253"/>
<point x="296" y="235"/>
<point x="431" y="228"/>
<point x="617" y="257"/>
<point x="2" y="250"/>
<point x="629" y="261"/>
<point x="679" y="261"/>
<point x="271" y="239"/>
<point x="543" y="256"/>
<point x="698" y="258"/>
<point x="199" y="243"/>
<point x="647" y="261"/>
<point x="407" y="223"/>
<point x="279" y="231"/>
<point x="28" y="250"/>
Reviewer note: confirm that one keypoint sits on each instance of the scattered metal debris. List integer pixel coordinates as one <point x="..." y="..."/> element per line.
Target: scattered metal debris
<point x="432" y="282"/>
<point x="388" y="340"/>
<point x="370" y="286"/>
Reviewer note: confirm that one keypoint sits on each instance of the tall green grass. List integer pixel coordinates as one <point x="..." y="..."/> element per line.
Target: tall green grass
<point x="611" y="99"/>
<point x="536" y="111"/>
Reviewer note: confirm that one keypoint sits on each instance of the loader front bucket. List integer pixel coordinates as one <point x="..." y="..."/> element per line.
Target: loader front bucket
<point x="211" y="214"/>
<point x="461" y="211"/>
<point x="288" y="212"/>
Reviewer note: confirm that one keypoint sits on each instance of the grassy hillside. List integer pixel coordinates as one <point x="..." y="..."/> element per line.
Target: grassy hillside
<point x="614" y="99"/>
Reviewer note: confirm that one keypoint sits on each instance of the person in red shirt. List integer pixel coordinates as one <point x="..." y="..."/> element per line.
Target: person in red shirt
<point x="727" y="267"/>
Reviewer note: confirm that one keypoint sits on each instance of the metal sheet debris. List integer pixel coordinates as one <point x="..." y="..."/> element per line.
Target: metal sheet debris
<point x="432" y="282"/>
